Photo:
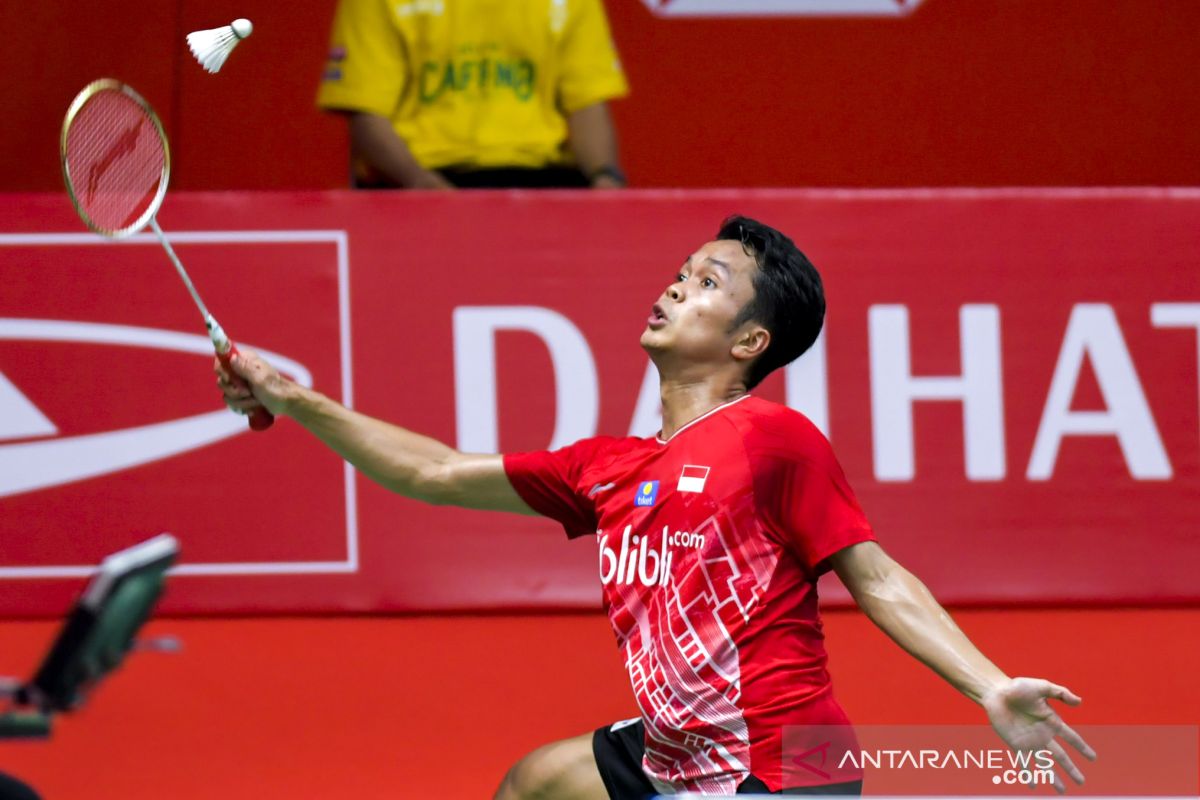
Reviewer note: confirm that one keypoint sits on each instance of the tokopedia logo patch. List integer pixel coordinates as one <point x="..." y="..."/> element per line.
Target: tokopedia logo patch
<point x="27" y="466"/>
<point x="782" y="8"/>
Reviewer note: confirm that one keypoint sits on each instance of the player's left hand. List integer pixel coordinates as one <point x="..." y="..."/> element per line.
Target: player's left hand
<point x="1020" y="713"/>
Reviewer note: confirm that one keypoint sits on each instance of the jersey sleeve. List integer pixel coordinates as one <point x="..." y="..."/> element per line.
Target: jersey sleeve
<point x="590" y="69"/>
<point x="802" y="494"/>
<point x="551" y="483"/>
<point x="367" y="67"/>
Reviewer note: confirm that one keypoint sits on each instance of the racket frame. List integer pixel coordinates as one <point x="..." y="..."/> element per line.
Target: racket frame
<point x="261" y="418"/>
<point x="85" y="95"/>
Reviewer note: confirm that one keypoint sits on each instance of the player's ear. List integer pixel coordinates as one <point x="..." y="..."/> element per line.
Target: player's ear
<point x="750" y="342"/>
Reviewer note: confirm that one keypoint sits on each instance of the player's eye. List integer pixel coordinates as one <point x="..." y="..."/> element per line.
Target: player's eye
<point x="680" y="277"/>
<point x="708" y="283"/>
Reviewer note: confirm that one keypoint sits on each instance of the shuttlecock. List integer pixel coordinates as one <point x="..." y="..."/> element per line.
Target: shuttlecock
<point x="212" y="47"/>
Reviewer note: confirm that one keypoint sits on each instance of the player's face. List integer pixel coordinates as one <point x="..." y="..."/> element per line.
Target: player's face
<point x="693" y="319"/>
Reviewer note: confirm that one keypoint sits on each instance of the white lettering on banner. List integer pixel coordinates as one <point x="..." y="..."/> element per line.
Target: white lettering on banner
<point x="19" y="417"/>
<point x="1179" y="315"/>
<point x="806" y="385"/>
<point x="1093" y="332"/>
<point x="647" y="413"/>
<point x="790" y="8"/>
<point x="577" y="392"/>
<point x="894" y="389"/>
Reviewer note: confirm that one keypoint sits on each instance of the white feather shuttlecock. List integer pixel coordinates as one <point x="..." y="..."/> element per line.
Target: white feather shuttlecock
<point x="212" y="47"/>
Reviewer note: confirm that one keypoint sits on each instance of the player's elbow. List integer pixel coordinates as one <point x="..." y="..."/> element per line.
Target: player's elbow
<point x="871" y="576"/>
<point x="434" y="483"/>
<point x="893" y="593"/>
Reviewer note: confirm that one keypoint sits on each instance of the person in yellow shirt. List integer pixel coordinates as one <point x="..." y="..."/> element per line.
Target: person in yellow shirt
<point x="476" y="93"/>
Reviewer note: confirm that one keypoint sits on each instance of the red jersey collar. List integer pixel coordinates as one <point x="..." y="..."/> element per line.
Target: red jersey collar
<point x="658" y="438"/>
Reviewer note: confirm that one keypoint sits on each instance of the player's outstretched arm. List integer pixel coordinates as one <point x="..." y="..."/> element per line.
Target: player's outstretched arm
<point x="405" y="462"/>
<point x="900" y="604"/>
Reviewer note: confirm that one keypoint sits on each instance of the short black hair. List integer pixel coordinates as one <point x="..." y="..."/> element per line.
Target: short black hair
<point x="789" y="300"/>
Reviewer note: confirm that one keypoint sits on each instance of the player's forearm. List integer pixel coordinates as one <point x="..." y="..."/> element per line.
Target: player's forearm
<point x="593" y="138"/>
<point x="900" y="604"/>
<point x="404" y="462"/>
<point x="375" y="141"/>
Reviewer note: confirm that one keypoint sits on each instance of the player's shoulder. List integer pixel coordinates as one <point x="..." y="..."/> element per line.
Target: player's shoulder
<point x="769" y="428"/>
<point x="759" y="414"/>
<point x="599" y="449"/>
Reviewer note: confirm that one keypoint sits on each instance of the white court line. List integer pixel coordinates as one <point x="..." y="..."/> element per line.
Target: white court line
<point x="340" y="239"/>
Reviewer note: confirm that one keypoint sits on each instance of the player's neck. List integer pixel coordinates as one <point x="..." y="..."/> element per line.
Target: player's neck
<point x="683" y="400"/>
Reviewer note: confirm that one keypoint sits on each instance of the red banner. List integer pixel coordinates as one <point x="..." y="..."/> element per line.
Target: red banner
<point x="1009" y="378"/>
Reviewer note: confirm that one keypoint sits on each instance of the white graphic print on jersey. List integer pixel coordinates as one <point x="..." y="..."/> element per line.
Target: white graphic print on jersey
<point x="677" y="633"/>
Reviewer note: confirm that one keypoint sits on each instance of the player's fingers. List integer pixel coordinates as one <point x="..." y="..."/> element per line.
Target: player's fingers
<point x="247" y="364"/>
<point x="230" y="381"/>
<point x="1075" y="740"/>
<point x="242" y="404"/>
<point x="1064" y="694"/>
<point x="1064" y="760"/>
<point x="233" y="389"/>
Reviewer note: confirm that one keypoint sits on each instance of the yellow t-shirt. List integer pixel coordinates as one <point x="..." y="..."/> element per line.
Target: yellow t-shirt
<point x="473" y="83"/>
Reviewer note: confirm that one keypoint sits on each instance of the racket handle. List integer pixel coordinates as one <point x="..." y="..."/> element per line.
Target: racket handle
<point x="260" y="418"/>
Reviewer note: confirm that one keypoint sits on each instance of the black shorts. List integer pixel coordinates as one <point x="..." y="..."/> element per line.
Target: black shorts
<point x="619" y="747"/>
<point x="13" y="789"/>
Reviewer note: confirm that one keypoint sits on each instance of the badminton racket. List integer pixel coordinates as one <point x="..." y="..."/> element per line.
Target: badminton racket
<point x="116" y="164"/>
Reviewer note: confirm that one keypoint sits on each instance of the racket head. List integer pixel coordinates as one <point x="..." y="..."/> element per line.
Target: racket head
<point x="115" y="158"/>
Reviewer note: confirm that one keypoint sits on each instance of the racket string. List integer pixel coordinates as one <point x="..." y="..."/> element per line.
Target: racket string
<point x="115" y="160"/>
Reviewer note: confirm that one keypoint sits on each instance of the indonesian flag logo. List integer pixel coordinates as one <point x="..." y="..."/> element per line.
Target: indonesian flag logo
<point x="692" y="478"/>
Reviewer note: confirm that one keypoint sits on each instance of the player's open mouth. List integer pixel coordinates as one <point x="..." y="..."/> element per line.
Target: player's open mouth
<point x="657" y="317"/>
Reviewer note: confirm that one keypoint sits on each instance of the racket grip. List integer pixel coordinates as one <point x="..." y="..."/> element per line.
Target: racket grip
<point x="260" y="418"/>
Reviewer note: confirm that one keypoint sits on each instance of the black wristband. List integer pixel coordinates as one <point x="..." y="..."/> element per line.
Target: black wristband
<point x="612" y="171"/>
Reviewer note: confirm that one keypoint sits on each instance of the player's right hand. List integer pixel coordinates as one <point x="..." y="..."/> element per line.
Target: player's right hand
<point x="254" y="384"/>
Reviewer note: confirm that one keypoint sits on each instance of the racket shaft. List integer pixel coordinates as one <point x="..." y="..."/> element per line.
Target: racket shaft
<point x="179" y="268"/>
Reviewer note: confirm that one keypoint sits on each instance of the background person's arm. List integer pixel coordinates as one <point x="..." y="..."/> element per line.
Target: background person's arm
<point x="375" y="141"/>
<point x="593" y="139"/>
<point x="903" y="608"/>
<point x="407" y="463"/>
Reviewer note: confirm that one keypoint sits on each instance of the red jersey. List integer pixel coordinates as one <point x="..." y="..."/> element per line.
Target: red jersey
<point x="710" y="544"/>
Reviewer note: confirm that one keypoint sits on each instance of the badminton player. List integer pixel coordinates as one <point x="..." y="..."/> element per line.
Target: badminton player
<point x="710" y="539"/>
